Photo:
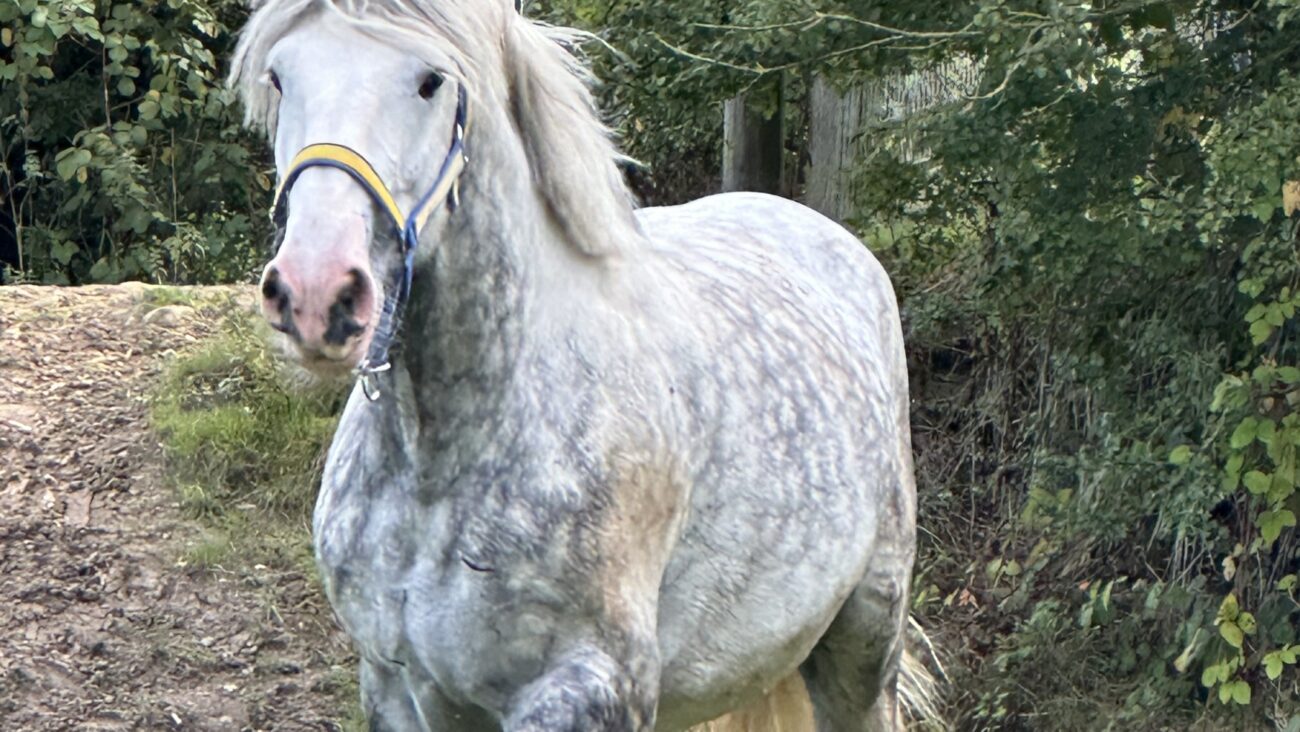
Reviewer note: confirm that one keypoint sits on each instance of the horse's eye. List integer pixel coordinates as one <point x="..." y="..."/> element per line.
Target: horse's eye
<point x="275" y="82"/>
<point x="430" y="85"/>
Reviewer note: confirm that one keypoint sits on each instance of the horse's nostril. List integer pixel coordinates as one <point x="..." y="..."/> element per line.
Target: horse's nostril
<point x="342" y="326"/>
<point x="353" y="295"/>
<point x="350" y="311"/>
<point x="271" y="287"/>
<point x="275" y="303"/>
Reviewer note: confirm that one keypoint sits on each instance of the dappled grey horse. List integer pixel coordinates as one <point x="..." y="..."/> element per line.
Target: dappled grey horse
<point x="628" y="469"/>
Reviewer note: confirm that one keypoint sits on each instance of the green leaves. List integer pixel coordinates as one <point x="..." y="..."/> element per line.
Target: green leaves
<point x="1272" y="522"/>
<point x="1237" y="691"/>
<point x="1275" y="661"/>
<point x="1262" y="446"/>
<point x="122" y="198"/>
<point x="63" y="251"/>
<point x="68" y="162"/>
<point x="1263" y="209"/>
<point x="1233" y="623"/>
<point x="1266" y="317"/>
<point x="1219" y="672"/>
<point x="1244" y="434"/>
<point x="1256" y="482"/>
<point x="1155" y="15"/>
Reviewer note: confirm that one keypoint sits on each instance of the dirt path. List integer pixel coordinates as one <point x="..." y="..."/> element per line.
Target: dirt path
<point x="101" y="627"/>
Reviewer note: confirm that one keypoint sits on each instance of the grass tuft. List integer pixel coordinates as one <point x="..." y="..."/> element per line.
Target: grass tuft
<point x="213" y="551"/>
<point x="162" y="296"/>
<point x="244" y="446"/>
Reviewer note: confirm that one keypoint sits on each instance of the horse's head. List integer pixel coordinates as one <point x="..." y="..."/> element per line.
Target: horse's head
<point x="331" y="86"/>
<point x="388" y="80"/>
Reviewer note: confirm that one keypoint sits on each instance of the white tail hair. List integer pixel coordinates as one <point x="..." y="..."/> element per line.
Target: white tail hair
<point x="787" y="707"/>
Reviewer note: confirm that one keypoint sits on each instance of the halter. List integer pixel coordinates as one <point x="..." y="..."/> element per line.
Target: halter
<point x="445" y="187"/>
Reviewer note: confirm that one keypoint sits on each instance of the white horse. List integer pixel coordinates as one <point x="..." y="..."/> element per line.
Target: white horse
<point x="627" y="470"/>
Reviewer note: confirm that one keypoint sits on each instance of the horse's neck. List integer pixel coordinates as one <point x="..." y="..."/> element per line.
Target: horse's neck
<point x="464" y="330"/>
<point x="475" y="307"/>
<point x="473" y="311"/>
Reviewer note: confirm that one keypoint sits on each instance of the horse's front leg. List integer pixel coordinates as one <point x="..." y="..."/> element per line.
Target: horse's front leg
<point x="395" y="703"/>
<point x="587" y="690"/>
<point x="601" y="668"/>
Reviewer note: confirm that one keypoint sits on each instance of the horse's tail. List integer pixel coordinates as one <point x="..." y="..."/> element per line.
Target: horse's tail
<point x="918" y="689"/>
<point x="787" y="708"/>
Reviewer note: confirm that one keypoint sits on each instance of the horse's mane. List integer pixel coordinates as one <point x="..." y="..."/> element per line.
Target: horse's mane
<point x="502" y="59"/>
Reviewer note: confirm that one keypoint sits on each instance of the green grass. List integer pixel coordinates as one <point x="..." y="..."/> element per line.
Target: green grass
<point x="212" y="551"/>
<point x="157" y="297"/>
<point x="343" y="683"/>
<point x="244" y="447"/>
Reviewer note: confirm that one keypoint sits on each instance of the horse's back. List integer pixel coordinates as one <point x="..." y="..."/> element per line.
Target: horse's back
<point x="779" y="257"/>
<point x="794" y="391"/>
<point x="785" y="256"/>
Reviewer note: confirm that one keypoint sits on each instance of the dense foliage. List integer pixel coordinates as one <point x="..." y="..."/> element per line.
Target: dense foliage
<point x="1096" y="252"/>
<point x="121" y="154"/>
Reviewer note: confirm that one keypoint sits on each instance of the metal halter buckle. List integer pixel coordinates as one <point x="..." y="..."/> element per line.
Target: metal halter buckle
<point x="369" y="384"/>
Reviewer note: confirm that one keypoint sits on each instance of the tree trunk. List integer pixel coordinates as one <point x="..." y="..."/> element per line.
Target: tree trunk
<point x="754" y="140"/>
<point x="834" y="122"/>
<point x="841" y="124"/>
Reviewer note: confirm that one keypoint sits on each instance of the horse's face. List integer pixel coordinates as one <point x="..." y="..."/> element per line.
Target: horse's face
<point x="336" y="84"/>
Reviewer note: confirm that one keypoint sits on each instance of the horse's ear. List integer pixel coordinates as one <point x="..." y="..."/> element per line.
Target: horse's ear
<point x="570" y="155"/>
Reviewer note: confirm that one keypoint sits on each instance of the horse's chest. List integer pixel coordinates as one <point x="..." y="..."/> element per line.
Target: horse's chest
<point x="421" y="585"/>
<point x="368" y="559"/>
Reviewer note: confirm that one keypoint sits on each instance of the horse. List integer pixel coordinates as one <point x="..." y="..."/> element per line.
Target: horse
<point x="624" y="469"/>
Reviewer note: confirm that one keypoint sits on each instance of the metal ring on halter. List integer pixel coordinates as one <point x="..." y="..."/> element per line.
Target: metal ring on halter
<point x="445" y="187"/>
<point x="366" y="375"/>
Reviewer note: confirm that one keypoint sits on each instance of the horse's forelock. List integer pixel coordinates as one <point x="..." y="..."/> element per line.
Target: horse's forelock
<point x="269" y="22"/>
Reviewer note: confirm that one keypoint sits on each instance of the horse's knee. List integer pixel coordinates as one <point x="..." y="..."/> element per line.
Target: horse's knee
<point x="587" y="691"/>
